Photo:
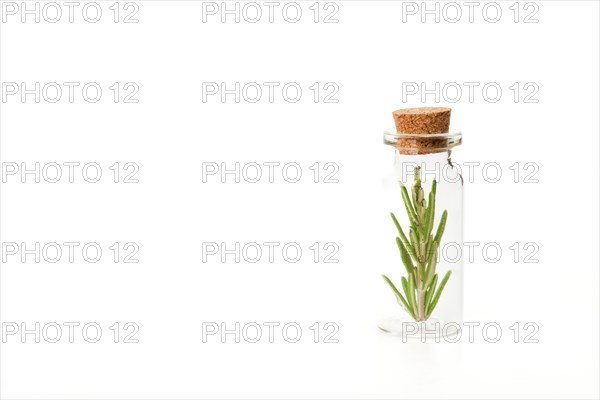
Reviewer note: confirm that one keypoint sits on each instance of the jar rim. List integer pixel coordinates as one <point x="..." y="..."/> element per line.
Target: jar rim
<point x="393" y="138"/>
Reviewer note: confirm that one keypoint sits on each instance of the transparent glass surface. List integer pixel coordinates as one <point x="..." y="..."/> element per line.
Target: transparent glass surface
<point x="446" y="317"/>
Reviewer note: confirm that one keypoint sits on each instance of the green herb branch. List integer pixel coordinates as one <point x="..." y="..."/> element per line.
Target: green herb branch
<point x="419" y="252"/>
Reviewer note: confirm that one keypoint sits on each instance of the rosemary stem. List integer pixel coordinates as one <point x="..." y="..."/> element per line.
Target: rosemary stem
<point x="421" y="305"/>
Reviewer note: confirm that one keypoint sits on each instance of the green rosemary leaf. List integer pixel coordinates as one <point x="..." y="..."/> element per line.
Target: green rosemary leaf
<point x="414" y="241"/>
<point x="389" y="282"/>
<point x="418" y="197"/>
<point x="399" y="296"/>
<point x="405" y="240"/>
<point x="419" y="252"/>
<point x="431" y="290"/>
<point x="423" y="215"/>
<point x="422" y="259"/>
<point x="406" y="260"/>
<point x="400" y="231"/>
<point x="415" y="198"/>
<point x="429" y="295"/>
<point x="411" y="290"/>
<point x="422" y="206"/>
<point x="428" y="219"/>
<point x="407" y="293"/>
<point x="409" y="208"/>
<point x="433" y="257"/>
<point x="411" y="306"/>
<point x="441" y="227"/>
<point x="423" y="251"/>
<point x="417" y="184"/>
<point x="435" y="299"/>
<point x="405" y="288"/>
<point x="432" y="211"/>
<point x="430" y="244"/>
<point x="410" y="250"/>
<point x="431" y="261"/>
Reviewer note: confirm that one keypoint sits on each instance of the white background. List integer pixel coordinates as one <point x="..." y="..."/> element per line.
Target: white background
<point x="369" y="53"/>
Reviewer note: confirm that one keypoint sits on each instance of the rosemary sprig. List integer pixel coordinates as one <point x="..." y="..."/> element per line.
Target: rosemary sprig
<point x="419" y="252"/>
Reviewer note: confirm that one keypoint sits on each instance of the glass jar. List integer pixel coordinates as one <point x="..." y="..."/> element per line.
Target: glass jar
<point x="424" y="196"/>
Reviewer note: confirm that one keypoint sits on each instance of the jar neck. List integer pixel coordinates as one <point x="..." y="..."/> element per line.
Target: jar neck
<point x="432" y="165"/>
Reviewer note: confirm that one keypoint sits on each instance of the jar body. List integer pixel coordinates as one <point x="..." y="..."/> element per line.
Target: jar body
<point x="436" y="256"/>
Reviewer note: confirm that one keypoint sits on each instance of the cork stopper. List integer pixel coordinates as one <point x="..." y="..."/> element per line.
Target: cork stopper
<point x="422" y="121"/>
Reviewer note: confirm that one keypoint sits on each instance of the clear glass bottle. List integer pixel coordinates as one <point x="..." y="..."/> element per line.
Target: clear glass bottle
<point x="427" y="253"/>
